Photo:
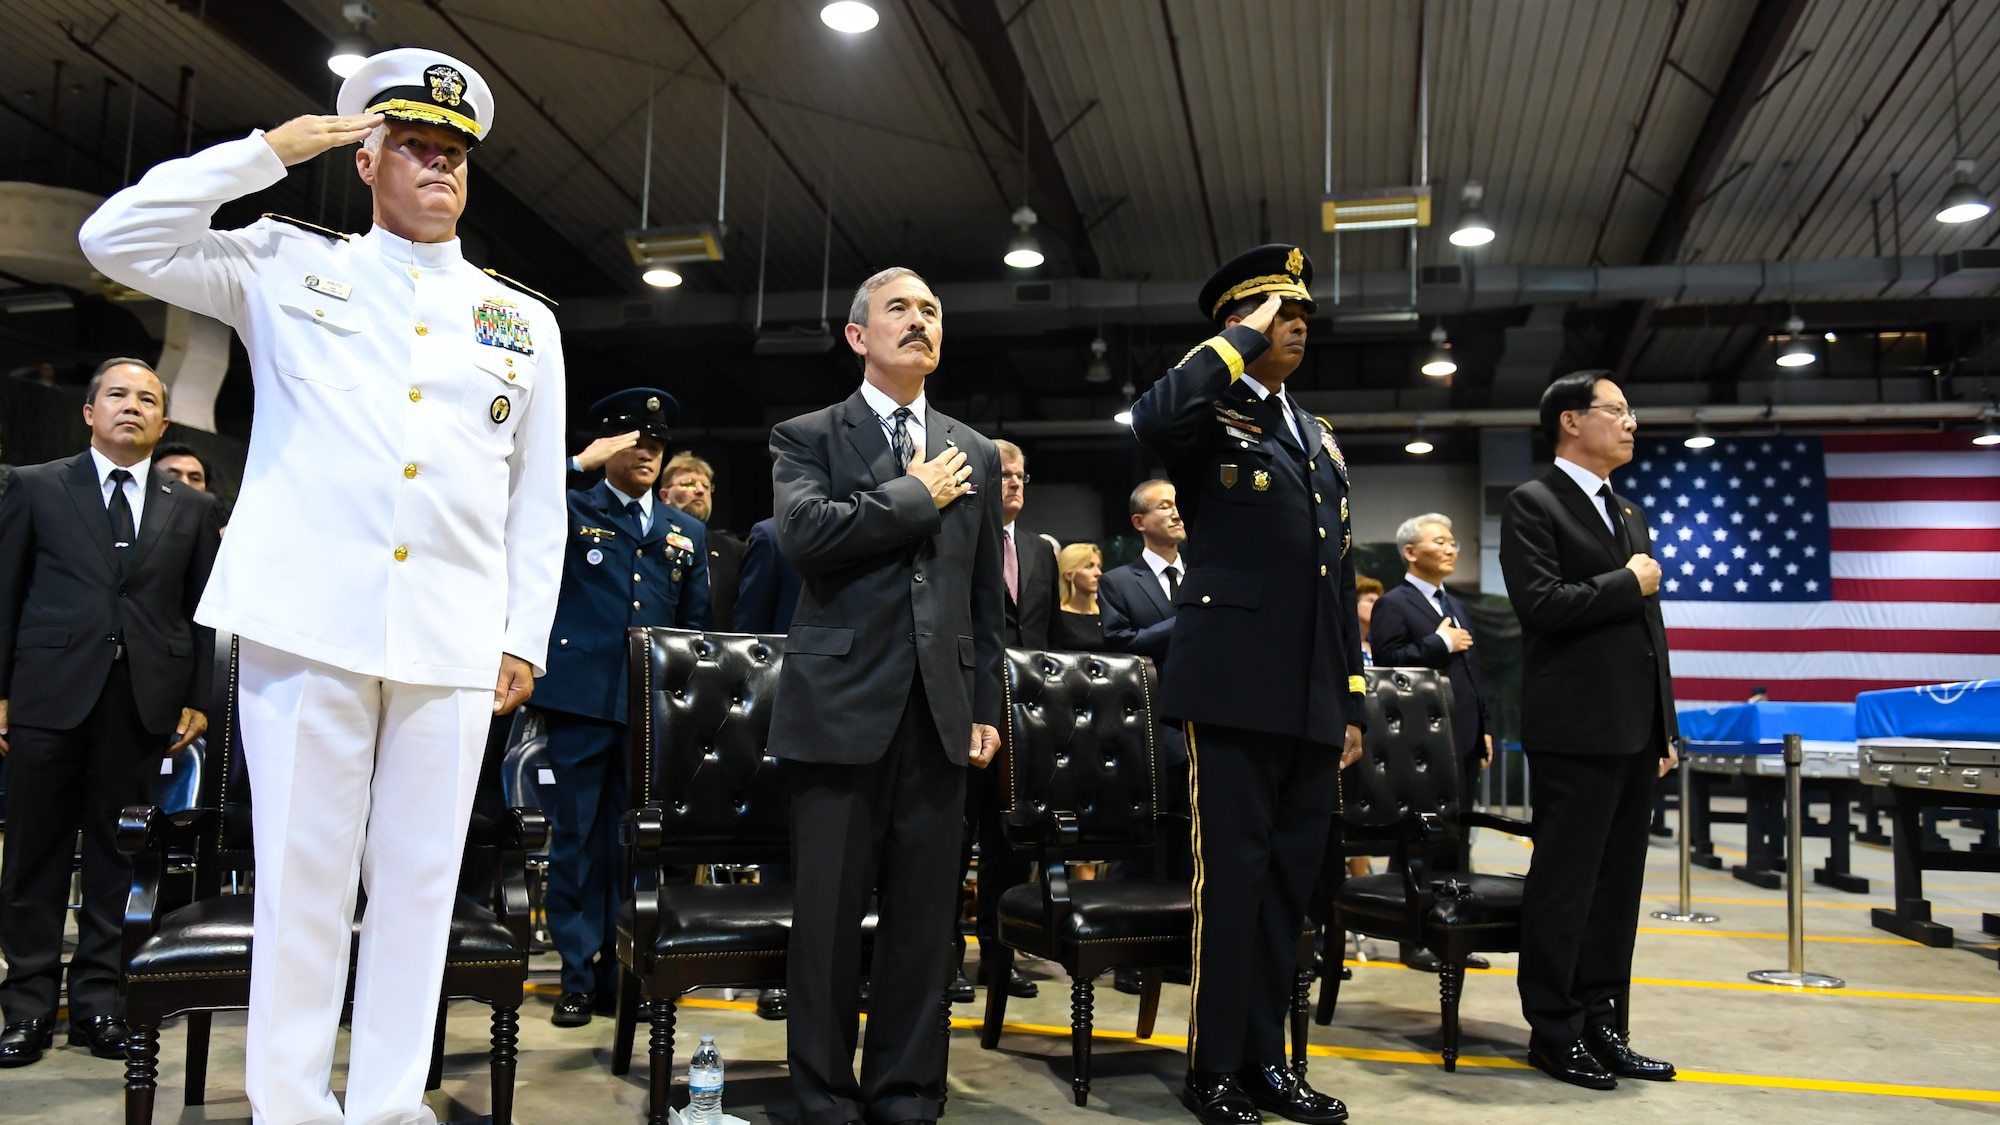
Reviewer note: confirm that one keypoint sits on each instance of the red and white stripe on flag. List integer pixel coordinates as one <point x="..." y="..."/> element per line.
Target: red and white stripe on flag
<point x="1915" y="528"/>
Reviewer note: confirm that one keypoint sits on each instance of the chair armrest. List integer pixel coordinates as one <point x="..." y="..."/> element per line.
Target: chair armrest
<point x="1429" y="830"/>
<point x="522" y="829"/>
<point x="149" y="836"/>
<point x="643" y="831"/>
<point x="1502" y="823"/>
<point x="642" y="828"/>
<point x="1063" y="833"/>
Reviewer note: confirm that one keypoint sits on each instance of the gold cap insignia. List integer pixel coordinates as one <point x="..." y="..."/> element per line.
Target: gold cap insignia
<point x="653" y="404"/>
<point x="1260" y="480"/>
<point x="447" y="84"/>
<point x="1295" y="261"/>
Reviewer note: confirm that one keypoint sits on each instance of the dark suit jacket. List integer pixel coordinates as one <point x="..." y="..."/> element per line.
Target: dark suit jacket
<point x="768" y="594"/>
<point x="616" y="577"/>
<point x="1266" y="636"/>
<point x="1403" y="634"/>
<point x="893" y="588"/>
<point x="725" y="571"/>
<point x="1027" y="623"/>
<point x="1137" y="616"/>
<point x="66" y="597"/>
<point x="1594" y="676"/>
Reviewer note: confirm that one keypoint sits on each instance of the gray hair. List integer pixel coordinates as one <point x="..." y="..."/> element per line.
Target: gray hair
<point x="373" y="142"/>
<point x="1412" y="529"/>
<point x="1135" y="504"/>
<point x="857" y="313"/>
<point x="1009" y="451"/>
<point x="97" y="379"/>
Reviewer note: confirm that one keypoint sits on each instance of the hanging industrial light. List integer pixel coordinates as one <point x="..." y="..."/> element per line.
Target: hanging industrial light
<point x="1099" y="370"/>
<point x="1796" y="352"/>
<point x="1700" y="438"/>
<point x="850" y="17"/>
<point x="1440" y="362"/>
<point x="1474" y="228"/>
<point x="1962" y="201"/>
<point x="1990" y="435"/>
<point x="1418" y="443"/>
<point x="661" y="277"/>
<point x="1024" y="250"/>
<point x="352" y="49"/>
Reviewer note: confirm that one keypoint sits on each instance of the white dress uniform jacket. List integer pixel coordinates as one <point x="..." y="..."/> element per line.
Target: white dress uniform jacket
<point x="402" y="511"/>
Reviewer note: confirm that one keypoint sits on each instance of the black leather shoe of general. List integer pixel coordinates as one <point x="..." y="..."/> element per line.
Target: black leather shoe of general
<point x="1275" y="1089"/>
<point x="573" y="1010"/>
<point x="960" y="989"/>
<point x="1218" y="1099"/>
<point x="1615" y="1053"/>
<point x="23" y="1042"/>
<point x="771" y="1004"/>
<point x="104" y="1035"/>
<point x="1572" y="1063"/>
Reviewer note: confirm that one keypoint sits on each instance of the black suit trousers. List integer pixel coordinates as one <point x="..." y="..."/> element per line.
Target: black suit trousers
<point x="1580" y="908"/>
<point x="57" y="782"/>
<point x="893" y="827"/>
<point x="1262" y="806"/>
<point x="1000" y="866"/>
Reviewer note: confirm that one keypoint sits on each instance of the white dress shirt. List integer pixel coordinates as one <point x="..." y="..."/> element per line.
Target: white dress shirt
<point x="1590" y="482"/>
<point x="645" y="500"/>
<point x="1291" y="420"/>
<point x="135" y="489"/>
<point x="402" y="511"/>
<point x="885" y="410"/>
<point x="1160" y="567"/>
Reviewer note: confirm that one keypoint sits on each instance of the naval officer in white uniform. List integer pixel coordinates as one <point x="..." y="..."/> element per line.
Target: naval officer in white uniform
<point x="393" y="561"/>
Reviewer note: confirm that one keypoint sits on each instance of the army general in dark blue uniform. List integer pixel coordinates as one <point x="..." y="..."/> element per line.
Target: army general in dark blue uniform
<point x="1266" y="675"/>
<point x="632" y="560"/>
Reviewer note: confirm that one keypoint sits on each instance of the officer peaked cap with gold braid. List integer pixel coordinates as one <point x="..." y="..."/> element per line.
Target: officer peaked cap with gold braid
<point x="416" y="84"/>
<point x="1276" y="267"/>
<point x="649" y="410"/>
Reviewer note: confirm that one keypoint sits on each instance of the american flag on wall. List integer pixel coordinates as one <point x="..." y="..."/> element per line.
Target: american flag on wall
<point x="1823" y="567"/>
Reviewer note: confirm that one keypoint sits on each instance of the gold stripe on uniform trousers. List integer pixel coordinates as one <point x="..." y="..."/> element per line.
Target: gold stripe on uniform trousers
<point x="1200" y="870"/>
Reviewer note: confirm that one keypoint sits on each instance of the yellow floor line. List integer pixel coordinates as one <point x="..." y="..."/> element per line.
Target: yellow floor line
<point x="1737" y="986"/>
<point x="1775" y="937"/>
<point x="1865" y="904"/>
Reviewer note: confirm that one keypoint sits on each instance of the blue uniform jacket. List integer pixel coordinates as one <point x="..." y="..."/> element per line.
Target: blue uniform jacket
<point x="616" y="578"/>
<point x="1265" y="637"/>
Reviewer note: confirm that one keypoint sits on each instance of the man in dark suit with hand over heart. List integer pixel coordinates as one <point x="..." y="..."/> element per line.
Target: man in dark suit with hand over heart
<point x="890" y="688"/>
<point x="1597" y="722"/>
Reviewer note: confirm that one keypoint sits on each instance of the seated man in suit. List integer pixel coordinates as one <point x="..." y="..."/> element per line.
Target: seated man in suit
<point x="1419" y="624"/>
<point x="631" y="562"/>
<point x="770" y="588"/>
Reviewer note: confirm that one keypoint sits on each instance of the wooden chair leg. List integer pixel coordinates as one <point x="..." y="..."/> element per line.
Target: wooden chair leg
<point x="1331" y="965"/>
<point x="996" y="994"/>
<point x="436" y="1077"/>
<point x="1451" y="981"/>
<point x="1149" y="1002"/>
<point x="628" y="1021"/>
<point x="506" y="1034"/>
<point x="142" y="1074"/>
<point x="661" y="1056"/>
<point x="197" y="1062"/>
<point x="1080" y="1000"/>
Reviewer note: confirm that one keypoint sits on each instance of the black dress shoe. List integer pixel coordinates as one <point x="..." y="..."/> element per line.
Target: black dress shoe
<point x="104" y="1035"/>
<point x="1218" y="1099"/>
<point x="1128" y="981"/>
<point x="960" y="989"/>
<point x="573" y="1010"/>
<point x="1612" y="1050"/>
<point x="1017" y="984"/>
<point x="1275" y="1089"/>
<point x="1572" y="1063"/>
<point x="1424" y="961"/>
<point x="23" y="1042"/>
<point x="771" y="1004"/>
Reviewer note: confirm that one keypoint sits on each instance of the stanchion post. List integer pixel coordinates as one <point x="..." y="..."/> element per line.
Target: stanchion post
<point x="1687" y="912"/>
<point x="1795" y="974"/>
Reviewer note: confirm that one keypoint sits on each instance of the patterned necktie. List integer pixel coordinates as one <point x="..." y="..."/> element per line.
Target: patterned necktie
<point x="1010" y="568"/>
<point x="122" y="529"/>
<point x="899" y="439"/>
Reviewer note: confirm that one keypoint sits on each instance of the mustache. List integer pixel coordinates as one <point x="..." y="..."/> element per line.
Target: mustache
<point x="915" y="334"/>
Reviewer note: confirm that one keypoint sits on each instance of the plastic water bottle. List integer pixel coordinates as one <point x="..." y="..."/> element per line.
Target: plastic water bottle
<point x="705" y="1084"/>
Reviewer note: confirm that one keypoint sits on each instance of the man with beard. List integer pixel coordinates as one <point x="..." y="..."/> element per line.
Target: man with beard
<point x="688" y="483"/>
<point x="631" y="563"/>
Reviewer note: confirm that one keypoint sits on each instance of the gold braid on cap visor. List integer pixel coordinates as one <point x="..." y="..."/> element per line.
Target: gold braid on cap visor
<point x="405" y="110"/>
<point x="1283" y="284"/>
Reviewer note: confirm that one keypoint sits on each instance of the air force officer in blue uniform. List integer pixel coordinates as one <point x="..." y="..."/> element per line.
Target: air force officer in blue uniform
<point x="632" y="561"/>
<point x="1265" y="675"/>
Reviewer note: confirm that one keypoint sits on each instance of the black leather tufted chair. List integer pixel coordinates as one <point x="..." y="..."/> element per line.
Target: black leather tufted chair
<point x="190" y="953"/>
<point x="1081" y="782"/>
<point x="522" y="787"/>
<point x="1404" y="791"/>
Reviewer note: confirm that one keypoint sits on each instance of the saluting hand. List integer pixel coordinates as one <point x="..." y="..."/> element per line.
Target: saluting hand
<point x="945" y="475"/>
<point x="302" y="138"/>
<point x="516" y="684"/>
<point x="1265" y="314"/>
<point x="985" y="744"/>
<point x="604" y="449"/>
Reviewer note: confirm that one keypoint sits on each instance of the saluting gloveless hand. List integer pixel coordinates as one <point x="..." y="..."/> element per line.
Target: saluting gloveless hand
<point x="946" y="475"/>
<point x="604" y="449"/>
<point x="302" y="138"/>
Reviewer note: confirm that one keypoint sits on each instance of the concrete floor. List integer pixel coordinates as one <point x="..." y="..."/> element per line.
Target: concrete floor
<point x="1911" y="1036"/>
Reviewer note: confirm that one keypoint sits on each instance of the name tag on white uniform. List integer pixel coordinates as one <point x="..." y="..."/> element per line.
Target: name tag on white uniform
<point x="338" y="290"/>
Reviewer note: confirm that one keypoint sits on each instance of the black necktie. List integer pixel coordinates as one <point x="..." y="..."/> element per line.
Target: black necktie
<point x="1173" y="574"/>
<point x="637" y="513"/>
<point x="122" y="529"/>
<point x="1611" y="508"/>
<point x="1444" y="608"/>
<point x="899" y="439"/>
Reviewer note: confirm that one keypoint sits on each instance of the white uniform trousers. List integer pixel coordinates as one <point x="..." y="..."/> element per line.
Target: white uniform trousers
<point x="353" y="780"/>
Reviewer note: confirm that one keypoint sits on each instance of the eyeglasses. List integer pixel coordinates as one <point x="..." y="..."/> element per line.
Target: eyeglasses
<point x="1622" y="413"/>
<point x="1013" y="478"/>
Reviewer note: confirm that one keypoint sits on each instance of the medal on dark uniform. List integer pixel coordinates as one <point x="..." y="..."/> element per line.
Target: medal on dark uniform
<point x="1260" y="481"/>
<point x="1228" y="473"/>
